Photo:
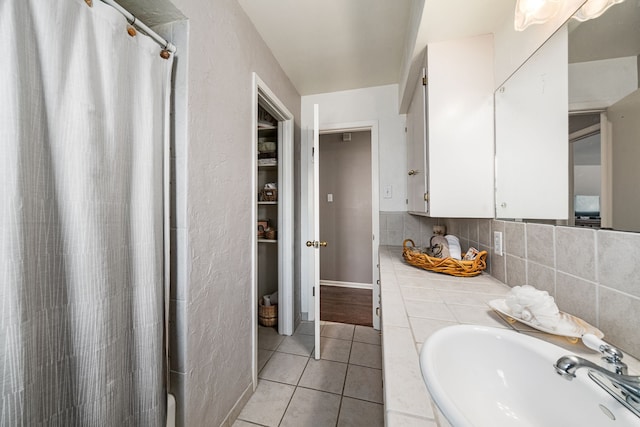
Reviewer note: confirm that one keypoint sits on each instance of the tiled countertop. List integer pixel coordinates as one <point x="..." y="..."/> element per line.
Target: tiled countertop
<point x="414" y="304"/>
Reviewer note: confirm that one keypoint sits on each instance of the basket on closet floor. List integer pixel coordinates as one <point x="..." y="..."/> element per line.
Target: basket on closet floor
<point x="451" y="266"/>
<point x="267" y="314"/>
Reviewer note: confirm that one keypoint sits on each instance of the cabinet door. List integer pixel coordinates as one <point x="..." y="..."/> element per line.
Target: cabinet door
<point x="460" y="123"/>
<point x="417" y="173"/>
<point x="532" y="144"/>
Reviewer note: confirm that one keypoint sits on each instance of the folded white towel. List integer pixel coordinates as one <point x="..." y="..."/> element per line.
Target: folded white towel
<point x="454" y="246"/>
<point x="534" y="306"/>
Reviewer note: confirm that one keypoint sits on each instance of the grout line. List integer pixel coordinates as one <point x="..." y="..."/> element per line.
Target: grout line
<point x="339" y="409"/>
<point x="297" y="385"/>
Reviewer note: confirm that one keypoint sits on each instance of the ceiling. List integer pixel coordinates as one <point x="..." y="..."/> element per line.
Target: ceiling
<point x="333" y="45"/>
<point x="152" y="12"/>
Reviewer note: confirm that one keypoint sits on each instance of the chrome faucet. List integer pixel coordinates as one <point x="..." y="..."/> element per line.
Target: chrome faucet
<point x="568" y="365"/>
<point x="624" y="388"/>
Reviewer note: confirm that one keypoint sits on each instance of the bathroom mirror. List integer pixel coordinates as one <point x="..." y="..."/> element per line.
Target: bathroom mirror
<point x="595" y="163"/>
<point x="604" y="120"/>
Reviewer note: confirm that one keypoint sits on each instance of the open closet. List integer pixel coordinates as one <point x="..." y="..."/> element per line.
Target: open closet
<point x="272" y="213"/>
<point x="268" y="224"/>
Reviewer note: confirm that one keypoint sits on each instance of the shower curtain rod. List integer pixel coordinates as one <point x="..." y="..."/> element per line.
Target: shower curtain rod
<point x="148" y="31"/>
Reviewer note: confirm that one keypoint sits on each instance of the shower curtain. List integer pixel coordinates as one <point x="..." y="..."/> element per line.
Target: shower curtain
<point x="83" y="118"/>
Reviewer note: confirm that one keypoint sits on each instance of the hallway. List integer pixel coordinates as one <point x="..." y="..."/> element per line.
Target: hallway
<point x="343" y="388"/>
<point x="346" y="305"/>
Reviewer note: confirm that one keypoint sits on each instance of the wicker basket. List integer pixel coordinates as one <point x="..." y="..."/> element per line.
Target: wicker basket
<point x="450" y="266"/>
<point x="269" y="195"/>
<point x="267" y="314"/>
<point x="270" y="234"/>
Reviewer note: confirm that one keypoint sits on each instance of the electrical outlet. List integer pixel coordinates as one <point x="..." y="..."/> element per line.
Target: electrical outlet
<point x="497" y="242"/>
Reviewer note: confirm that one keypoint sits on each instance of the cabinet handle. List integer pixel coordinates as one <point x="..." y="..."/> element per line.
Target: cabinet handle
<point x="413" y="172"/>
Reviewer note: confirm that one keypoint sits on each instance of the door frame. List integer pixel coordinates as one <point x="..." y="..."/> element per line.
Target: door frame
<point x="261" y="92"/>
<point x="307" y="208"/>
<point x="606" y="166"/>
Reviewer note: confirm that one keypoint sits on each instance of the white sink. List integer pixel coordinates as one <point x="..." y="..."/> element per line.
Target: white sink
<point x="481" y="376"/>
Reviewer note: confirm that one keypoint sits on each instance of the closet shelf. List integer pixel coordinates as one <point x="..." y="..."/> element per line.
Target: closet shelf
<point x="267" y="203"/>
<point x="267" y="241"/>
<point x="266" y="126"/>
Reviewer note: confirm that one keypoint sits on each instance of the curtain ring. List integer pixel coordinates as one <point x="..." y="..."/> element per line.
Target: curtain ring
<point x="165" y="53"/>
<point x="130" y="28"/>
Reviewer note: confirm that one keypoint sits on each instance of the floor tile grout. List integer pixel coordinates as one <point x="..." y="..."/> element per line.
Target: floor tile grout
<point x="347" y="364"/>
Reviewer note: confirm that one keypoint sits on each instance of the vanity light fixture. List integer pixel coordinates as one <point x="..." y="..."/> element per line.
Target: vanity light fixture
<point x="594" y="8"/>
<point x="535" y="12"/>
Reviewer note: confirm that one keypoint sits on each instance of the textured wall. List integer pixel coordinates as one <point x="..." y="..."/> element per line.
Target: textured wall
<point x="224" y="49"/>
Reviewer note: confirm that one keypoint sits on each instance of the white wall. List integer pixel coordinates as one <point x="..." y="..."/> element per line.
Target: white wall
<point x="378" y="103"/>
<point x="626" y="152"/>
<point x="600" y="84"/>
<point x="586" y="180"/>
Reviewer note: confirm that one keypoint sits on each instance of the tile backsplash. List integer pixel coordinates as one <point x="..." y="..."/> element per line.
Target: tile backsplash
<point x="592" y="274"/>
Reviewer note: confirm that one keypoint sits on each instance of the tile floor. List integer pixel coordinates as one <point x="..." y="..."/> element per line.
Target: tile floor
<point x="343" y="388"/>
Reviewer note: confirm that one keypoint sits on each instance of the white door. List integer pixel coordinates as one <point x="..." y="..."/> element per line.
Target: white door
<point x="316" y="243"/>
<point x="418" y="174"/>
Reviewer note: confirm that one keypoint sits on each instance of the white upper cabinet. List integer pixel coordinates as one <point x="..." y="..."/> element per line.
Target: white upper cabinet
<point x="457" y="146"/>
<point x="532" y="136"/>
<point x="417" y="172"/>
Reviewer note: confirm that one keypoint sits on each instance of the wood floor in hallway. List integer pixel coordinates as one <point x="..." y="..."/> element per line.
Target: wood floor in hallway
<point x="346" y="305"/>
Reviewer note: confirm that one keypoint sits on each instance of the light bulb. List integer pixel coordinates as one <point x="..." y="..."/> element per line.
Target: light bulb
<point x="594" y="8"/>
<point x="534" y="12"/>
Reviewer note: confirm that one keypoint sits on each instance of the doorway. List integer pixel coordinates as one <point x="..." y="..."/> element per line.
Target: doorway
<point x="346" y="271"/>
<point x="272" y="128"/>
<point x="586" y="176"/>
<point x="310" y="211"/>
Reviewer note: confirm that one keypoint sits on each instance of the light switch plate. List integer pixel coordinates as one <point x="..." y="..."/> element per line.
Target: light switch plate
<point x="497" y="242"/>
<point x="388" y="192"/>
<point x="329" y="197"/>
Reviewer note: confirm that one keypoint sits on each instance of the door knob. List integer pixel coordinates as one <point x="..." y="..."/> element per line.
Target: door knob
<point x="413" y="172"/>
<point x="316" y="244"/>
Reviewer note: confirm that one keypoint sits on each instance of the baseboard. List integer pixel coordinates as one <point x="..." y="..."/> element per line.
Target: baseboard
<point x="346" y="284"/>
<point x="237" y="408"/>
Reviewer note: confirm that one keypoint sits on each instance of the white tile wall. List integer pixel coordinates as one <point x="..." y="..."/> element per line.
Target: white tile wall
<point x="593" y="274"/>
